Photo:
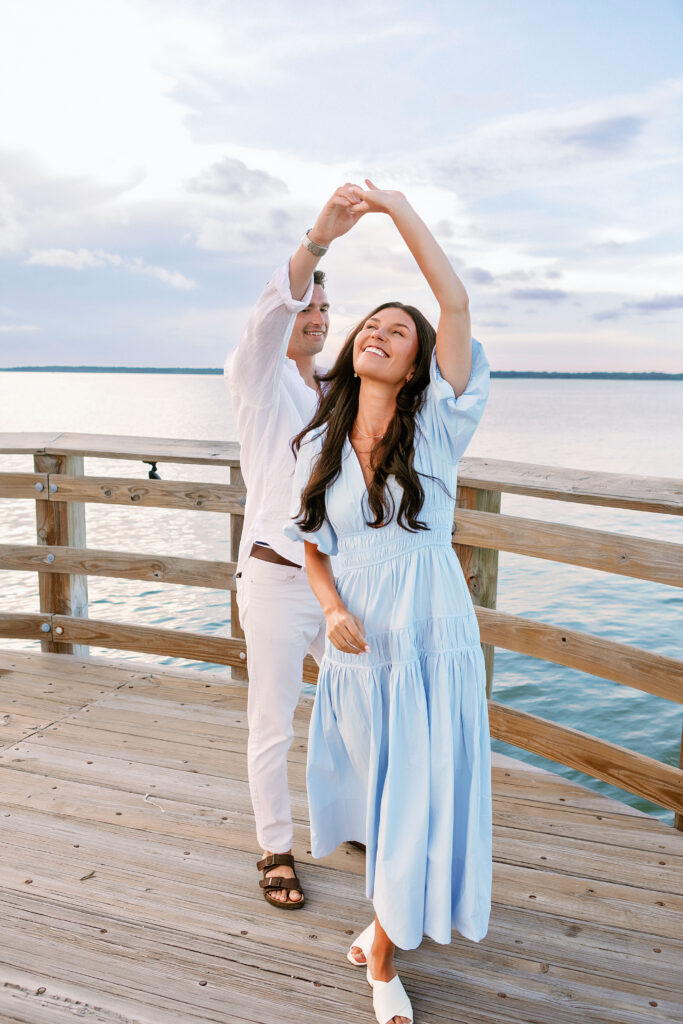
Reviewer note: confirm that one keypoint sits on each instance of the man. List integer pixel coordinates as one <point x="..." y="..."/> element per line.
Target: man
<point x="274" y="395"/>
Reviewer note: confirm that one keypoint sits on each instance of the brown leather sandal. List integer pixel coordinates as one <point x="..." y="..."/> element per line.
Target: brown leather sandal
<point x="279" y="882"/>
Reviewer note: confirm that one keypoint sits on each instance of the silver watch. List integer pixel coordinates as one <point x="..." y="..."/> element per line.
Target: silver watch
<point x="313" y="247"/>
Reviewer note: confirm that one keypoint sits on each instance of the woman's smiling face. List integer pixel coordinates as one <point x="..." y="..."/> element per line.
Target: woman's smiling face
<point x="386" y="346"/>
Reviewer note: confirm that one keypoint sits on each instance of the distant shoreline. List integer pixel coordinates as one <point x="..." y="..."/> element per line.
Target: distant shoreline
<point x="532" y="374"/>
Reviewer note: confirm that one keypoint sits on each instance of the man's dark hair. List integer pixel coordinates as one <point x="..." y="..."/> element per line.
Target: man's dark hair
<point x="319" y="277"/>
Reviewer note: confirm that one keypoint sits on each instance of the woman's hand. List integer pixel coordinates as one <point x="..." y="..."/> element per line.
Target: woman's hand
<point x="338" y="215"/>
<point x="346" y="632"/>
<point x="378" y="200"/>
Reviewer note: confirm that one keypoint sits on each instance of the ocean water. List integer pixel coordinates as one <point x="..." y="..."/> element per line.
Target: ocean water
<point x="614" y="426"/>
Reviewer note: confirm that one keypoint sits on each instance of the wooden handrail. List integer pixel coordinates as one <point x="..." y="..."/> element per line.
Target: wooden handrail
<point x="622" y="663"/>
<point x="616" y="490"/>
<point x="63" y="563"/>
<point x="638" y="557"/>
<point x="637" y="773"/>
<point x="125" y="565"/>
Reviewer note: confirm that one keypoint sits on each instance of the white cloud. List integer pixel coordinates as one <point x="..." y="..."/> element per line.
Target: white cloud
<point x="85" y="258"/>
<point x="65" y="258"/>
<point x="557" y="144"/>
<point x="611" y="235"/>
<point x="170" y="277"/>
<point x="18" y="328"/>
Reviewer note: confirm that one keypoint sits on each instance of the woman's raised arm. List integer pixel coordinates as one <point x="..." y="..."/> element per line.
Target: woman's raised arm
<point x="453" y="336"/>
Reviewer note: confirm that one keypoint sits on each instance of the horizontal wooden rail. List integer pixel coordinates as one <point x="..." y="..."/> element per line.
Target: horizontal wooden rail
<point x="643" y="670"/>
<point x="126" y="565"/>
<point x="181" y="494"/>
<point x="69" y="629"/>
<point x="118" y="446"/>
<point x="149" y="639"/>
<point x="24" y="625"/>
<point x="616" y="490"/>
<point x="24" y="485"/>
<point x="631" y="666"/>
<point x="638" y="557"/>
<point x="560" y="483"/>
<point x="636" y="773"/>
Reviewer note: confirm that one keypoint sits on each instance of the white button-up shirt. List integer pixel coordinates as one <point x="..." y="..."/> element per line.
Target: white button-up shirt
<point x="271" y="403"/>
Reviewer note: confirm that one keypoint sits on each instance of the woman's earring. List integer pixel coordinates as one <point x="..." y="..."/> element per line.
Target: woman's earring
<point x="355" y="374"/>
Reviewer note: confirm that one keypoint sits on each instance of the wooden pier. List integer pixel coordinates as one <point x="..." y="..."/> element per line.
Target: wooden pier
<point x="127" y="867"/>
<point x="129" y="887"/>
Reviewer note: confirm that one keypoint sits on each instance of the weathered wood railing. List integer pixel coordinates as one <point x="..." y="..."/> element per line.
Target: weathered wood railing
<point x="63" y="562"/>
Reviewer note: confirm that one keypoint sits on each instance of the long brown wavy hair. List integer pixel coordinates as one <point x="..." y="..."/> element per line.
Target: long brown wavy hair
<point x="393" y="454"/>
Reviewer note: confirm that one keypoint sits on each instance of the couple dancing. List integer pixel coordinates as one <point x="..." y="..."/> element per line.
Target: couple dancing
<point x="352" y="560"/>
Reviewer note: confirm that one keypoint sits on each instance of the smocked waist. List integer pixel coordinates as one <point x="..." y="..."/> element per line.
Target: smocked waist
<point x="372" y="547"/>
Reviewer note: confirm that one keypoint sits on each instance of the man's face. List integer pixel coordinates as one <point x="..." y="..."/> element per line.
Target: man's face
<point x="311" y="326"/>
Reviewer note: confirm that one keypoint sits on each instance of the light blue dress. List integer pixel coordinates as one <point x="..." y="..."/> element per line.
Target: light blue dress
<point x="399" y="748"/>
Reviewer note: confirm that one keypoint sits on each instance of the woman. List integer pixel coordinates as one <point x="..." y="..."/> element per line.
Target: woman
<point x="399" y="753"/>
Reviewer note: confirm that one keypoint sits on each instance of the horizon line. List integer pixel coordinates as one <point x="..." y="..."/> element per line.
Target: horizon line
<point x="214" y="371"/>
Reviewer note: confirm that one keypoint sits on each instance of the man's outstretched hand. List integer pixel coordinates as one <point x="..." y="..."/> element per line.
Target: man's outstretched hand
<point x="338" y="215"/>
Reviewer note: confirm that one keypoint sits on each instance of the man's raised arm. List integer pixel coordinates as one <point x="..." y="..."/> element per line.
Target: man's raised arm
<point x="254" y="367"/>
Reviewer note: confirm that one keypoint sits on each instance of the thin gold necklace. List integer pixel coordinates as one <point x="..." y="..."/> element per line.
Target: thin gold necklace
<point x="357" y="428"/>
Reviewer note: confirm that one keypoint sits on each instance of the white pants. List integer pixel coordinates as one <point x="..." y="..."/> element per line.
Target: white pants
<point x="282" y="622"/>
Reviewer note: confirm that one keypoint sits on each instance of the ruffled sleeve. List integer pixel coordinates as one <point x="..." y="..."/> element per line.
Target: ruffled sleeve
<point x="449" y="422"/>
<point x="325" y="537"/>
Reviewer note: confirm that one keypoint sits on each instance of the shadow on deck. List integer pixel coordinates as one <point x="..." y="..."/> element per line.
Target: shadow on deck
<point x="130" y="892"/>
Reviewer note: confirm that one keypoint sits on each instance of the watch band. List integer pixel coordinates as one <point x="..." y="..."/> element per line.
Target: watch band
<point x="313" y="247"/>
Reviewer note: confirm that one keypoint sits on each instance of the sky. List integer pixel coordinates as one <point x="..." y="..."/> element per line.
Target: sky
<point x="158" y="161"/>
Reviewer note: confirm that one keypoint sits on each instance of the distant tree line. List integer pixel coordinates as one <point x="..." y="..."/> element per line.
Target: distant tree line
<point x="559" y="374"/>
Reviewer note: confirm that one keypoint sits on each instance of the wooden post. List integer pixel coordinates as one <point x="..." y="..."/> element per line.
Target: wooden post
<point x="480" y="565"/>
<point x="62" y="523"/>
<point x="236" y="524"/>
<point x="678" y="818"/>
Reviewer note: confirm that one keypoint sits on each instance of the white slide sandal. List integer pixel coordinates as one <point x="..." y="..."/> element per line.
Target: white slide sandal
<point x="363" y="941"/>
<point x="390" y="999"/>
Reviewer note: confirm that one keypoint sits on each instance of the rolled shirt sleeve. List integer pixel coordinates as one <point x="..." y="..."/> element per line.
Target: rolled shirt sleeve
<point x="253" y="368"/>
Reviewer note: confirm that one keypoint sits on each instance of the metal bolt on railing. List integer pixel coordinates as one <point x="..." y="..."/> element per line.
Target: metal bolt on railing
<point x="45" y="627"/>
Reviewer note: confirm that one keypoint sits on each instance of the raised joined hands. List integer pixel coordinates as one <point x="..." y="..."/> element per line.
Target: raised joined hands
<point x="347" y="205"/>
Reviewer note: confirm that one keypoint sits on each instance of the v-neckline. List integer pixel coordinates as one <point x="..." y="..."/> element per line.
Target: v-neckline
<point x="358" y="465"/>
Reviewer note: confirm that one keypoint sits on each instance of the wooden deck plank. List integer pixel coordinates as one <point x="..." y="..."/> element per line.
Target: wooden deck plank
<point x="98" y="844"/>
<point x="293" y="944"/>
<point x="174" y="879"/>
<point x="97" y="667"/>
<point x="560" y="854"/>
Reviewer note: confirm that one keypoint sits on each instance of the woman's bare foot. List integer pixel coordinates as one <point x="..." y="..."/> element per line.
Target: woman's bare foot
<point x="358" y="954"/>
<point x="381" y="962"/>
<point x="293" y="895"/>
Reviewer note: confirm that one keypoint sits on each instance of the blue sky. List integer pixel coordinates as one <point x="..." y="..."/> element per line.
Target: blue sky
<point x="158" y="160"/>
